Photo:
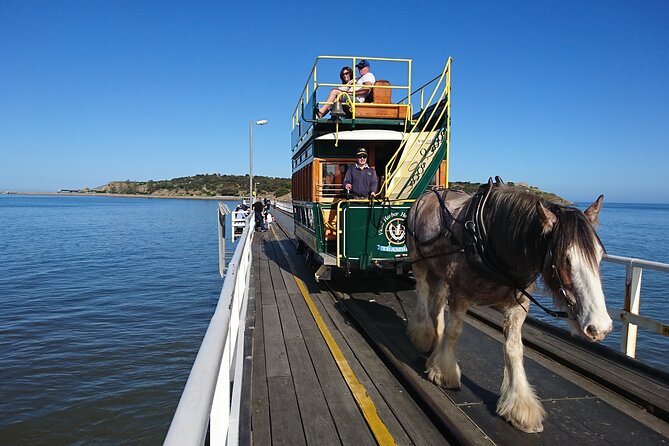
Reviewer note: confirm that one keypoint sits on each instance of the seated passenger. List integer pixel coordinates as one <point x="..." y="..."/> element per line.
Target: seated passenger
<point x="361" y="180"/>
<point x="346" y="75"/>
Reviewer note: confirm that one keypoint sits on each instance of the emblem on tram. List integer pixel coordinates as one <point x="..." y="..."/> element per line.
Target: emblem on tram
<point x="395" y="231"/>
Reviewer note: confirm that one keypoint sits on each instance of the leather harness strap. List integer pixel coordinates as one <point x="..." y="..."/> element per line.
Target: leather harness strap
<point x="476" y="247"/>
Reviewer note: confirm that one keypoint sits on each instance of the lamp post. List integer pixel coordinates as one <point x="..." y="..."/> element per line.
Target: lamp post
<point x="261" y="122"/>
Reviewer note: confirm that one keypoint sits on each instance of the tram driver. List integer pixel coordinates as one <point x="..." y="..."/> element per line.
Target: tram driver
<point x="361" y="180"/>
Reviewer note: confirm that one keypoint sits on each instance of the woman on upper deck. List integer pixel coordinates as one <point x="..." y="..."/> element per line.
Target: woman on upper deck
<point x="346" y="76"/>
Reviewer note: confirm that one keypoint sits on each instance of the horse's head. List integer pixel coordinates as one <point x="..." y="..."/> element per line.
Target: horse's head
<point x="571" y="267"/>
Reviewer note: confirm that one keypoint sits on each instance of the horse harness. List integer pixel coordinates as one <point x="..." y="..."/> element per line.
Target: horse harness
<point x="475" y="245"/>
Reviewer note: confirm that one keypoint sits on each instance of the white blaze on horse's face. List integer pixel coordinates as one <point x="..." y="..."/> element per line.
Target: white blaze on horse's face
<point x="590" y="319"/>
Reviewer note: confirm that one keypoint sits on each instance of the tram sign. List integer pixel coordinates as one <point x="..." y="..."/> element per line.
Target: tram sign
<point x="377" y="233"/>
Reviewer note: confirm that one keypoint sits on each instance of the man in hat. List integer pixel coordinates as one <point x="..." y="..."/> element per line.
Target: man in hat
<point x="366" y="79"/>
<point x="361" y="180"/>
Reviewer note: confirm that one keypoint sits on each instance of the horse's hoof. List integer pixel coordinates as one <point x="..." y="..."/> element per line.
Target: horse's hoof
<point x="526" y="416"/>
<point x="452" y="382"/>
<point x="530" y="429"/>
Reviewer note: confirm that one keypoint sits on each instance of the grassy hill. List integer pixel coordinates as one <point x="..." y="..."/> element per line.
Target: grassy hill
<point x="215" y="185"/>
<point x="203" y="185"/>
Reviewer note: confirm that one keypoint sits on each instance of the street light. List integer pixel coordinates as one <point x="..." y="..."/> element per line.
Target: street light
<point x="261" y="122"/>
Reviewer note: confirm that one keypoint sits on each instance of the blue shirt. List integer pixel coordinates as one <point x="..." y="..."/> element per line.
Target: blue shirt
<point x="363" y="180"/>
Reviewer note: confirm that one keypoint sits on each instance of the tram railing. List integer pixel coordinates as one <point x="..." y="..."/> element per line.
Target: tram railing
<point x="212" y="395"/>
<point x="629" y="314"/>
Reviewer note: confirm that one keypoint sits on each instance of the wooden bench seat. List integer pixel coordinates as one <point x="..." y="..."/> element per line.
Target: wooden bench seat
<point x="381" y="105"/>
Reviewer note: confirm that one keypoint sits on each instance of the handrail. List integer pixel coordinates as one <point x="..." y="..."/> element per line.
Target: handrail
<point x="208" y="394"/>
<point x="629" y="314"/>
<point x="285" y="206"/>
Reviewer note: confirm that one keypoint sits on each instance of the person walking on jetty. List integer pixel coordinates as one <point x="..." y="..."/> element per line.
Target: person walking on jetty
<point x="258" y="208"/>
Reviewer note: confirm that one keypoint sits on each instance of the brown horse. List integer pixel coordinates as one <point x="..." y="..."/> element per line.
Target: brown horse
<point x="525" y="238"/>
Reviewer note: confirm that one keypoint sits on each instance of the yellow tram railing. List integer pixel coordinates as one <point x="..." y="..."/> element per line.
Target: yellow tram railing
<point x="414" y="154"/>
<point x="312" y="86"/>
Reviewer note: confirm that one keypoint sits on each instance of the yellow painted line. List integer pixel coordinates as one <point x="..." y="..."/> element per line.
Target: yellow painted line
<point x="379" y="429"/>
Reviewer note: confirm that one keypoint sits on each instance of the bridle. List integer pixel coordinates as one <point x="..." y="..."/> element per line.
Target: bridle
<point x="475" y="246"/>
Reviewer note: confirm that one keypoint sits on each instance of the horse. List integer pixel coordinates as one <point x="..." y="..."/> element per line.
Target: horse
<point x="522" y="237"/>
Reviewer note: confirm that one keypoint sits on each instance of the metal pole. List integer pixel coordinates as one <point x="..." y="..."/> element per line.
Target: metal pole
<point x="251" y="162"/>
<point x="260" y="122"/>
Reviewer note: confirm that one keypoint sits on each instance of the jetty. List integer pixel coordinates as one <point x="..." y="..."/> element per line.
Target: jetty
<point x="290" y="360"/>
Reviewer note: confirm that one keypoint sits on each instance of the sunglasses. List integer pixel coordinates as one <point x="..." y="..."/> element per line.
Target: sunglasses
<point x="362" y="157"/>
<point x="346" y="74"/>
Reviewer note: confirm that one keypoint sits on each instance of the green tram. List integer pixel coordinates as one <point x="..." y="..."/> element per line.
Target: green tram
<point x="407" y="141"/>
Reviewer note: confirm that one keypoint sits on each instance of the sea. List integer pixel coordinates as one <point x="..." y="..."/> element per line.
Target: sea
<point x="104" y="302"/>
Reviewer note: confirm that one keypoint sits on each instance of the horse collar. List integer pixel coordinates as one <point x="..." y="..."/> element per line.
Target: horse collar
<point x="480" y="258"/>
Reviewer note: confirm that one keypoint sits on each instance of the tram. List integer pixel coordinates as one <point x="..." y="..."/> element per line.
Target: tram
<point x="407" y="141"/>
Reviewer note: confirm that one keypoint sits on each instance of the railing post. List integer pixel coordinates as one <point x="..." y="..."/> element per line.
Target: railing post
<point x="632" y="299"/>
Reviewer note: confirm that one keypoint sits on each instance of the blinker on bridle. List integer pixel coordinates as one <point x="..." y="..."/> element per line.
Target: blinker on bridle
<point x="561" y="290"/>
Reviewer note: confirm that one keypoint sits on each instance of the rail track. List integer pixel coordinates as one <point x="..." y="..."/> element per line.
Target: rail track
<point x="582" y="386"/>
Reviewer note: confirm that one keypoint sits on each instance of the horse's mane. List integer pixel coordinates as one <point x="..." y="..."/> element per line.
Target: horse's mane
<point x="516" y="237"/>
<point x="573" y="228"/>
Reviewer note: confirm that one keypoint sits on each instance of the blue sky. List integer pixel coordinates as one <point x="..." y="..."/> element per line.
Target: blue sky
<point x="570" y="96"/>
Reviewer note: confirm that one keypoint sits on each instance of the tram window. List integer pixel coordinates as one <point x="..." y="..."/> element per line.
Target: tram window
<point x="332" y="177"/>
<point x="310" y="218"/>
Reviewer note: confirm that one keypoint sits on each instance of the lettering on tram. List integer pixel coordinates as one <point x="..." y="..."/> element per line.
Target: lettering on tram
<point x="344" y="115"/>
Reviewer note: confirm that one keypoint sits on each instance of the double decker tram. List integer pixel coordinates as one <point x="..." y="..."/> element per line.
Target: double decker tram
<point x="407" y="142"/>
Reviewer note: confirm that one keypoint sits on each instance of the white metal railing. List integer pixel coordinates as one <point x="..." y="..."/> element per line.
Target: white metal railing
<point x="213" y="389"/>
<point x="629" y="315"/>
<point x="285" y="206"/>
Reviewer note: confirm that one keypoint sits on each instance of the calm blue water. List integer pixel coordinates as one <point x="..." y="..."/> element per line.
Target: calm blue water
<point x="104" y="303"/>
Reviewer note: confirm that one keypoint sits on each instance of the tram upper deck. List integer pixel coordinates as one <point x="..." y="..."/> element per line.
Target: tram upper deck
<point x="407" y="139"/>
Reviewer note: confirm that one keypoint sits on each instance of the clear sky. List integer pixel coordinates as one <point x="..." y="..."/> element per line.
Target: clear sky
<point x="570" y="96"/>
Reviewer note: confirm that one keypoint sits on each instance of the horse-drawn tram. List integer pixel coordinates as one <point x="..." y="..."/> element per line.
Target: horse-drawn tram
<point x="289" y="359"/>
<point x="406" y="141"/>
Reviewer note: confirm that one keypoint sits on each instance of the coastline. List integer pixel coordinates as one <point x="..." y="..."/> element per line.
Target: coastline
<point x="104" y="194"/>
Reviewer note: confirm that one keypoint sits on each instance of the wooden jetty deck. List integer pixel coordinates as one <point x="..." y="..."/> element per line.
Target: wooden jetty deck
<point x="332" y="371"/>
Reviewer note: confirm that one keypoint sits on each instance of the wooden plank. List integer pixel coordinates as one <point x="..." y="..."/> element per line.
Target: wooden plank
<point x="284" y="413"/>
<point x="348" y="420"/>
<point x="633" y="384"/>
<point x="390" y="111"/>
<point x="245" y="409"/>
<point x="410" y="425"/>
<point x="276" y="361"/>
<point x="480" y="356"/>
<point x="383" y="410"/>
<point x="570" y="421"/>
<point x="436" y="400"/>
<point x="260" y="420"/>
<point x="318" y="424"/>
